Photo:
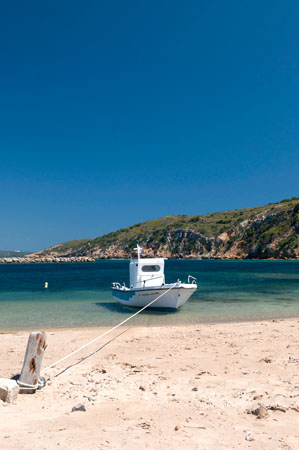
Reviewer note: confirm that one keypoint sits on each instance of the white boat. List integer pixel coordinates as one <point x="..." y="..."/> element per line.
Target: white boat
<point x="147" y="283"/>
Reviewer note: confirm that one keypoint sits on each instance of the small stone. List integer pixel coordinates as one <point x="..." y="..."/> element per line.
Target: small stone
<point x="9" y="390"/>
<point x="248" y="437"/>
<point x="177" y="428"/>
<point x="195" y="389"/>
<point x="278" y="408"/>
<point x="145" y="425"/>
<point x="142" y="388"/>
<point x="79" y="407"/>
<point x="267" y="360"/>
<point x="261" y="412"/>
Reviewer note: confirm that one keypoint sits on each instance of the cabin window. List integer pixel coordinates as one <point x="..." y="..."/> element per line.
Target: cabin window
<point x="151" y="268"/>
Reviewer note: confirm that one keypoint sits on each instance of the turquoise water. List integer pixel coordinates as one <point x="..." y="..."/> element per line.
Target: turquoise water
<point x="79" y="293"/>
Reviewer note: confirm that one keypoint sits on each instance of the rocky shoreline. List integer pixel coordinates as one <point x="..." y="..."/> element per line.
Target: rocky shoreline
<point x="46" y="259"/>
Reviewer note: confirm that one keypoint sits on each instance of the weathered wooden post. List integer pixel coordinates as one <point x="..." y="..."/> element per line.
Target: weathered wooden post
<point x="29" y="378"/>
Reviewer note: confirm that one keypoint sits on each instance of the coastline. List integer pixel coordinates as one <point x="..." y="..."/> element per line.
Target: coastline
<point x="85" y="259"/>
<point x="153" y="386"/>
<point x="152" y="325"/>
<point x="155" y="325"/>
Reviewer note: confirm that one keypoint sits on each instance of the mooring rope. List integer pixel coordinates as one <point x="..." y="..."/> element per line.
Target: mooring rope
<point x="40" y="384"/>
<point x="108" y="331"/>
<point x="90" y="354"/>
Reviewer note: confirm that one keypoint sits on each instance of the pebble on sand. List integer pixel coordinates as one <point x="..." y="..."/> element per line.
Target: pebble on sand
<point x="260" y="412"/>
<point x="248" y="437"/>
<point x="79" y="407"/>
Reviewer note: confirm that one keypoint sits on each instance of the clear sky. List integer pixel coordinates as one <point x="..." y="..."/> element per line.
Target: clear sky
<point x="115" y="112"/>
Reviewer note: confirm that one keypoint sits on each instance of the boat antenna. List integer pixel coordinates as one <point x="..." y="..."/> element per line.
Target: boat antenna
<point x="139" y="250"/>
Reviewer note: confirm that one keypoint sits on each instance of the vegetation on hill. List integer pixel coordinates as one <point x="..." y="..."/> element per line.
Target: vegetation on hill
<point x="269" y="231"/>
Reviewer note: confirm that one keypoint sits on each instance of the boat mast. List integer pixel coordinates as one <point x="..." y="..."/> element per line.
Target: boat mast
<point x="139" y="251"/>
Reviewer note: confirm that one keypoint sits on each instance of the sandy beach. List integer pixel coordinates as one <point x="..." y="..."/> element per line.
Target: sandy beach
<point x="187" y="387"/>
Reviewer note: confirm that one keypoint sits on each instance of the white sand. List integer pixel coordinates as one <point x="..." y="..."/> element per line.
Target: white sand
<point x="149" y="381"/>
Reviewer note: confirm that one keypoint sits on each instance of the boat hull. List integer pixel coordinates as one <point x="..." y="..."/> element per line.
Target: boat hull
<point x="139" y="298"/>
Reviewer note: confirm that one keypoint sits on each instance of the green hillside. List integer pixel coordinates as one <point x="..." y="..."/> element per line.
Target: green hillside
<point x="269" y="231"/>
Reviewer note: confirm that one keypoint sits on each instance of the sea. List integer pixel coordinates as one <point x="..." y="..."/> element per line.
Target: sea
<point x="79" y="295"/>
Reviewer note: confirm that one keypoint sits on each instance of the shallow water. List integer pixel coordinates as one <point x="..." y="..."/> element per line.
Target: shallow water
<point x="79" y="293"/>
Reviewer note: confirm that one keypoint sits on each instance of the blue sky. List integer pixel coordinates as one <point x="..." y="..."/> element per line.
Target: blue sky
<point x="116" y="112"/>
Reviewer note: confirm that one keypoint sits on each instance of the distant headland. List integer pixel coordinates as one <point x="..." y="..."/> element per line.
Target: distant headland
<point x="45" y="259"/>
<point x="262" y="232"/>
<point x="12" y="254"/>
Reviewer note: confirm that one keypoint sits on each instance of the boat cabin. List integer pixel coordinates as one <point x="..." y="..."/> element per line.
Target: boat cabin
<point x="146" y="272"/>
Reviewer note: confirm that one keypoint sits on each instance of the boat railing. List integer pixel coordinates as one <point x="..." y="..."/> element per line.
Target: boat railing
<point x="116" y="285"/>
<point x="194" y="280"/>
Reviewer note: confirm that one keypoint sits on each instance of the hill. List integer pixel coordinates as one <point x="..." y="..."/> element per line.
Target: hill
<point x="261" y="232"/>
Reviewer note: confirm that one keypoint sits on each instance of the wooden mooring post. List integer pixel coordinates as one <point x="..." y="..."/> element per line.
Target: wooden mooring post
<point x="29" y="378"/>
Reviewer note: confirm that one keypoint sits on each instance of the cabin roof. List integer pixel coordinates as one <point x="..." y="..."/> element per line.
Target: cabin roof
<point x="148" y="260"/>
